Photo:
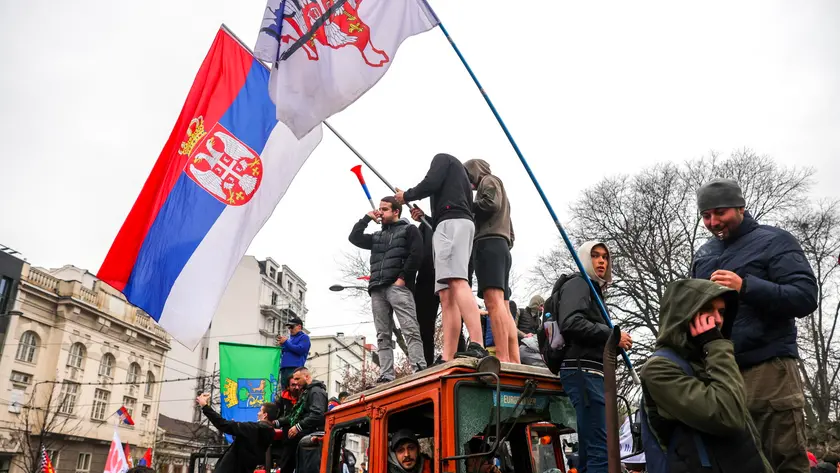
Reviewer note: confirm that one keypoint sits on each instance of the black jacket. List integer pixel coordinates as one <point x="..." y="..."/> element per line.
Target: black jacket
<point x="448" y="186"/>
<point x="313" y="402"/>
<point x="778" y="286"/>
<point x="250" y="441"/>
<point x="528" y="321"/>
<point x="581" y="322"/>
<point x="395" y="252"/>
<point x="426" y="272"/>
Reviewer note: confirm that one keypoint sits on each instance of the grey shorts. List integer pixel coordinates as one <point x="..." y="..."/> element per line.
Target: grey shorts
<point x="452" y="247"/>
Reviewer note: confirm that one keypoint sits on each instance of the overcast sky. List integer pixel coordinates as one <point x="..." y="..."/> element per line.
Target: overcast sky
<point x="90" y="90"/>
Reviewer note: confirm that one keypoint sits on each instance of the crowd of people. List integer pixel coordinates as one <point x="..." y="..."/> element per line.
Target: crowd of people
<point x="722" y="392"/>
<point x="723" y="386"/>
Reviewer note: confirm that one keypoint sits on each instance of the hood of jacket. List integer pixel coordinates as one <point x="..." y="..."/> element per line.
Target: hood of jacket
<point x="683" y="299"/>
<point x="315" y="384"/>
<point x="395" y="467"/>
<point x="536" y="302"/>
<point x="477" y="169"/>
<point x="585" y="255"/>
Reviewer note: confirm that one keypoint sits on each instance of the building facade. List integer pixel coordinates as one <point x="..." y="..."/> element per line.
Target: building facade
<point x="75" y="352"/>
<point x="177" y="440"/>
<point x="258" y="302"/>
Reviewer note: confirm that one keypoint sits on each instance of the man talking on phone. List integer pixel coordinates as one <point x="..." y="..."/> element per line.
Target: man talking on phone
<point x="694" y="396"/>
<point x="295" y="350"/>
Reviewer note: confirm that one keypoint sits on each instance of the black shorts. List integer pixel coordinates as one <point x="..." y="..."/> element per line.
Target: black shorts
<point x="491" y="261"/>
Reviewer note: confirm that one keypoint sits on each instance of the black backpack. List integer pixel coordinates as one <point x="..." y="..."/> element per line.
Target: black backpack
<point x="550" y="337"/>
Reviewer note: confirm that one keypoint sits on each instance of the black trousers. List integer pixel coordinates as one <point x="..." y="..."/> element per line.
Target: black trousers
<point x="427" y="304"/>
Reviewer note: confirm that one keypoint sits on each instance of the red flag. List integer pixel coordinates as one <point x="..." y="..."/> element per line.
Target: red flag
<point x="147" y="459"/>
<point x="128" y="458"/>
<point x="46" y="464"/>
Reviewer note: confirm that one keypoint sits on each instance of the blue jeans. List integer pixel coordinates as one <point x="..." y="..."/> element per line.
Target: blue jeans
<point x="586" y="391"/>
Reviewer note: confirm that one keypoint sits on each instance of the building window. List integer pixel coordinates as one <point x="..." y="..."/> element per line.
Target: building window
<point x="83" y="463"/>
<point x="77" y="356"/>
<point x="289" y="285"/>
<point x="130" y="403"/>
<point x="5" y="293"/>
<point x="100" y="404"/>
<point x="69" y="392"/>
<point x="206" y="352"/>
<point x="28" y="347"/>
<point x="21" y="378"/>
<point x="300" y="295"/>
<point x="146" y="410"/>
<point x="150" y="384"/>
<point x="273" y="298"/>
<point x="133" y="374"/>
<point x="272" y="273"/>
<point x="106" y="365"/>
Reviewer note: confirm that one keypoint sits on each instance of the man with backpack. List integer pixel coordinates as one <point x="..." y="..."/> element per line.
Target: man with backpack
<point x="695" y="416"/>
<point x="580" y="362"/>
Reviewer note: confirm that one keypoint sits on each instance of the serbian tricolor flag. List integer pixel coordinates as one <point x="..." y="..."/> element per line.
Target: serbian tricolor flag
<point x="219" y="177"/>
<point x="328" y="53"/>
<point x="125" y="417"/>
<point x="147" y="459"/>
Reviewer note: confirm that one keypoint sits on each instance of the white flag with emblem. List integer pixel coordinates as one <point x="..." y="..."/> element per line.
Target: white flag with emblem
<point x="328" y="53"/>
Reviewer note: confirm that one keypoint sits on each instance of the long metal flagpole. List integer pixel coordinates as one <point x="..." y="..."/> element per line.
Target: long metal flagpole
<point x="557" y="223"/>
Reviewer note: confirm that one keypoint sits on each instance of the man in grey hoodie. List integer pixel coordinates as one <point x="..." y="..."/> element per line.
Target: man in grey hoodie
<point x="404" y="454"/>
<point x="586" y="334"/>
<point x="491" y="255"/>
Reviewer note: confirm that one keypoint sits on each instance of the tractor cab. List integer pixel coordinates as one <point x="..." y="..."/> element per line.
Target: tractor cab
<point x="466" y="413"/>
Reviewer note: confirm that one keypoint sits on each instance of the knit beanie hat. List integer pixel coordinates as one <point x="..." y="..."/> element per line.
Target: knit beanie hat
<point x="719" y="194"/>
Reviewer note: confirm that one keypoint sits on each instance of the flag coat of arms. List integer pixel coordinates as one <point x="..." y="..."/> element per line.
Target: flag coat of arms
<point x="328" y="53"/>
<point x="225" y="167"/>
<point x="248" y="379"/>
<point x="124" y="416"/>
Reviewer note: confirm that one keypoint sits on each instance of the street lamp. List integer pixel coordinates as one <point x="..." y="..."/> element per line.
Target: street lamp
<point x="339" y="288"/>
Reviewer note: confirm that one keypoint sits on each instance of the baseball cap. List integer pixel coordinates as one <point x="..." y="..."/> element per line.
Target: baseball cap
<point x="294" y="321"/>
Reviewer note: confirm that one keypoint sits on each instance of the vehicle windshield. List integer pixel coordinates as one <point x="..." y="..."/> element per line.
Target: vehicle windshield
<point x="476" y="415"/>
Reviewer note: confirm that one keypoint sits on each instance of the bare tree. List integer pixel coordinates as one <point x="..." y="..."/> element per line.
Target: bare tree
<point x="357" y="380"/>
<point x="818" y="229"/>
<point x="41" y="423"/>
<point x="651" y="224"/>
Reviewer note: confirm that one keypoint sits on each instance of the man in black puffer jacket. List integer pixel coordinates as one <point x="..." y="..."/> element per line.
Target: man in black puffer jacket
<point x="776" y="285"/>
<point x="307" y="416"/>
<point x="395" y="255"/>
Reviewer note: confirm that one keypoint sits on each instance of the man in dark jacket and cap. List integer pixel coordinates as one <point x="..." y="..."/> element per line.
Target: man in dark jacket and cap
<point x="250" y="439"/>
<point x="404" y="454"/>
<point x="529" y="319"/>
<point x="586" y="334"/>
<point x="395" y="254"/>
<point x="768" y="269"/>
<point x="707" y="407"/>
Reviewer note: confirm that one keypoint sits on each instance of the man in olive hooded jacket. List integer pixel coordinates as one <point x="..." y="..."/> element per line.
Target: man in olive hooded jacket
<point x="706" y="409"/>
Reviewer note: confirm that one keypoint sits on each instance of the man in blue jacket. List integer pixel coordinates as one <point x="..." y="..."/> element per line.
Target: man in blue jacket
<point x="776" y="285"/>
<point x="295" y="350"/>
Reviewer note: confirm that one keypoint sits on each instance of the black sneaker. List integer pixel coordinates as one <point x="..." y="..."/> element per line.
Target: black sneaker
<point x="474" y="350"/>
<point x="438" y="361"/>
<point x="383" y="380"/>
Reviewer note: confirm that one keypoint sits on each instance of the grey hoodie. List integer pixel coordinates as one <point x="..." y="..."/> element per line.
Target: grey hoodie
<point x="490" y="205"/>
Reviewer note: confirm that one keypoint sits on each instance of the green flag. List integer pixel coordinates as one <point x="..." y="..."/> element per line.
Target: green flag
<point x="248" y="378"/>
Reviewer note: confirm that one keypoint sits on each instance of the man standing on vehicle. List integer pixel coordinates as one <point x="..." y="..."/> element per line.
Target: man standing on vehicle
<point x="395" y="254"/>
<point x="586" y="334"/>
<point x="250" y="439"/>
<point x="451" y="198"/>
<point x="491" y="255"/>
<point x="295" y="349"/>
<point x="694" y="398"/>
<point x="768" y="269"/>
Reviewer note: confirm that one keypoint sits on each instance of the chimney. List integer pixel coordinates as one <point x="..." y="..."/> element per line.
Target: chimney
<point x="339" y="334"/>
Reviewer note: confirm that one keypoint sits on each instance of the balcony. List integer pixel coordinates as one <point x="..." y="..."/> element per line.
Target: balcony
<point x="96" y="298"/>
